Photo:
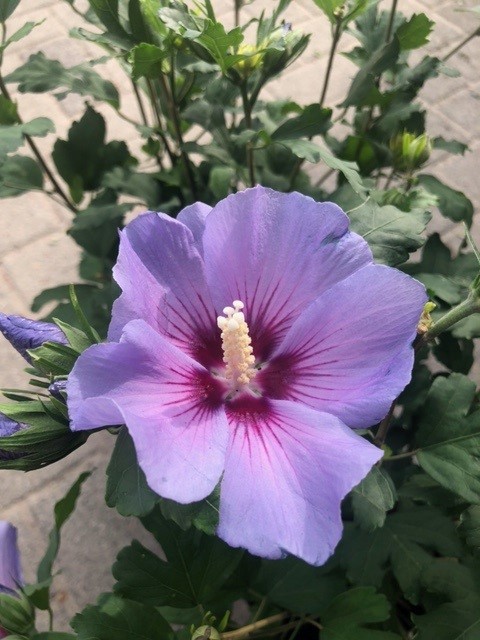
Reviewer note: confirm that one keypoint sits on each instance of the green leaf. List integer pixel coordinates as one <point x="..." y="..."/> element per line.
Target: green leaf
<point x="414" y="33"/>
<point x="313" y="153"/>
<point x="329" y="7"/>
<point x="16" y="614"/>
<point x="96" y="228"/>
<point x="146" y="61"/>
<point x="47" y="439"/>
<point x="452" y="621"/>
<point x="314" y="120"/>
<point x="41" y="74"/>
<point x="84" y="157"/>
<point x="391" y="233"/>
<point x="195" y="569"/>
<point x="364" y="90"/>
<point x="127" y="489"/>
<point x="19" y="174"/>
<point x="220" y="181"/>
<point x="7" y="7"/>
<point x="8" y="111"/>
<point x="53" y="359"/>
<point x="38" y="127"/>
<point x="297" y="586"/>
<point x="21" y="33"/>
<point x="12" y="136"/>
<point x="77" y="339"/>
<point x="452" y="204"/>
<point x="203" y="31"/>
<point x="448" y="438"/>
<point x="408" y="543"/>
<point x="470" y="526"/>
<point x="107" y="12"/>
<point x="454" y="353"/>
<point x="62" y="512"/>
<point x="118" y="619"/>
<point x="452" y="146"/>
<point x="350" y="615"/>
<point x="372" y="498"/>
<point x="203" y="514"/>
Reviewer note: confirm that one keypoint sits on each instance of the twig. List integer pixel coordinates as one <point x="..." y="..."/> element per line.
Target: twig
<point x="457" y="48"/>
<point x="247" y="108"/>
<point x="249" y="629"/>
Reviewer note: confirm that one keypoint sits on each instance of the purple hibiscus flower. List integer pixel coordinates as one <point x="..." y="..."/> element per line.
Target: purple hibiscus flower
<point x="249" y="339"/>
<point x="10" y="571"/>
<point x="24" y="333"/>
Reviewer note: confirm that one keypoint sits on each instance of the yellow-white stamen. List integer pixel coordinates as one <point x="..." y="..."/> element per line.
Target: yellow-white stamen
<point x="236" y="343"/>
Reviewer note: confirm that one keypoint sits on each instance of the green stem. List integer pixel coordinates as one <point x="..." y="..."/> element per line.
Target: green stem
<point x="466" y="308"/>
<point x="337" y="34"/>
<point x="237" y="7"/>
<point x="158" y="118"/>
<point x="140" y="104"/>
<point x="247" y="109"/>
<point x="384" y="426"/>
<point x="177" y="125"/>
<point x="391" y="20"/>
<point x="36" y="152"/>
<point x="457" y="48"/>
<point x="402" y="456"/>
<point x="249" y="629"/>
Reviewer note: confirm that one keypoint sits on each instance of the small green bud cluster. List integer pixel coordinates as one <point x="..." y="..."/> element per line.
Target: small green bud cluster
<point x="409" y="152"/>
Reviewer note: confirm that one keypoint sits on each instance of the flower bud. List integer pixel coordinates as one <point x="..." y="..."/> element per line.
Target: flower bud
<point x="24" y="333"/>
<point x="425" y="323"/>
<point x="248" y="65"/>
<point x="16" y="613"/>
<point x="206" y="632"/>
<point x="409" y="152"/>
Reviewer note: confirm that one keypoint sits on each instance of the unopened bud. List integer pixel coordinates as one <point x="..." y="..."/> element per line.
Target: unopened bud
<point x="206" y="632"/>
<point x="409" y="152"/>
<point x="426" y="322"/>
<point x="250" y="63"/>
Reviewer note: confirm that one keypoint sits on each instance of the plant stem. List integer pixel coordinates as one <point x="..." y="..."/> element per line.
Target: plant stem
<point x="457" y="48"/>
<point x="237" y="7"/>
<point x="36" y="152"/>
<point x="247" y="109"/>
<point x="141" y="106"/>
<point x="246" y="632"/>
<point x="391" y="20"/>
<point x="170" y="95"/>
<point x="337" y="33"/>
<point x="466" y="308"/>
<point x="402" y="456"/>
<point x="382" y="431"/>
<point x="153" y="99"/>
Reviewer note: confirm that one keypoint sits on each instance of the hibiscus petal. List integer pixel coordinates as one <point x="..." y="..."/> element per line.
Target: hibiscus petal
<point x="194" y="217"/>
<point x="350" y="352"/>
<point x="170" y="404"/>
<point x="288" y="467"/>
<point x="10" y="572"/>
<point x="276" y="252"/>
<point x="161" y="274"/>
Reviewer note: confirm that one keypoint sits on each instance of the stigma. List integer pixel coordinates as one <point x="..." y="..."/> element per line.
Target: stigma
<point x="237" y="345"/>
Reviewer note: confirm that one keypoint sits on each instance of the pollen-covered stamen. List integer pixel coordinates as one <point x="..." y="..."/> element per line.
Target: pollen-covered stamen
<point x="236" y="343"/>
